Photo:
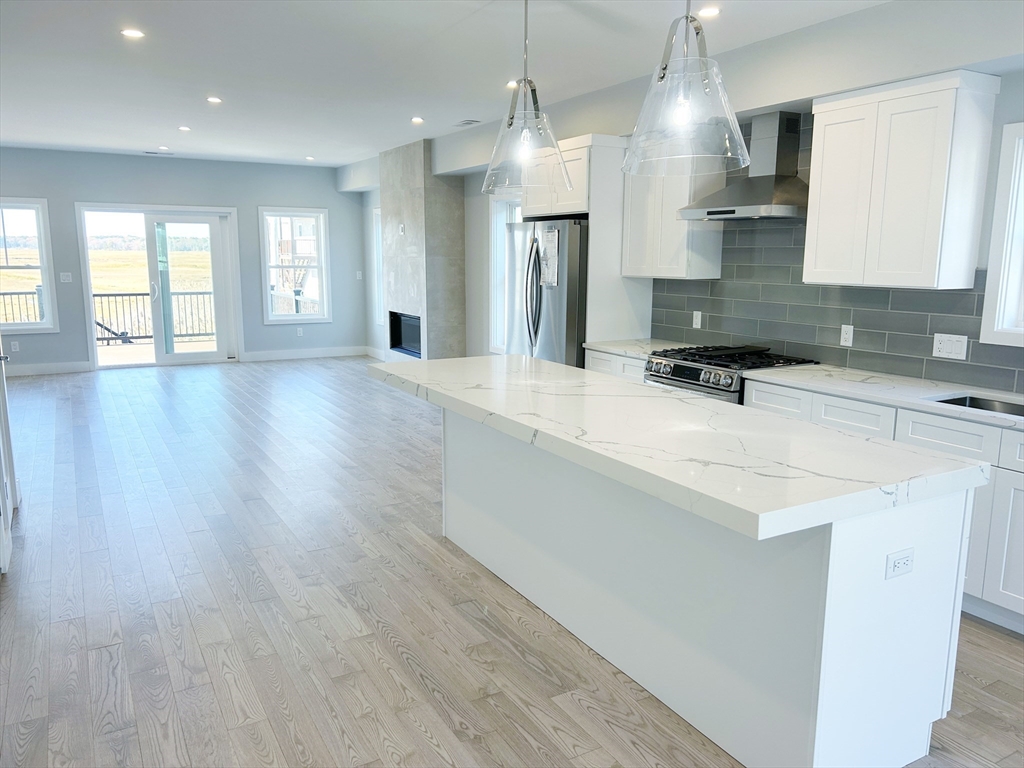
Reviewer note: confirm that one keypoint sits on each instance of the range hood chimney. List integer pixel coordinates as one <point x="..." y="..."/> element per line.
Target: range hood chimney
<point x="772" y="190"/>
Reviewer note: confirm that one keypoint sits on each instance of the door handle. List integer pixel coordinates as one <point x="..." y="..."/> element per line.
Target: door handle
<point x="528" y="295"/>
<point x="5" y="358"/>
<point x="154" y="291"/>
<point x="538" y="295"/>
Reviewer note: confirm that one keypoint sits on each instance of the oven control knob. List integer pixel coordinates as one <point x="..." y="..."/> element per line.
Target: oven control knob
<point x="716" y="379"/>
<point x="727" y="379"/>
<point x="649" y="366"/>
<point x="705" y="377"/>
<point x="666" y="368"/>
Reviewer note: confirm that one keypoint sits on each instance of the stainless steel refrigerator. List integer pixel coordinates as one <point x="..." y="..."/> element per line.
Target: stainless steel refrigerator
<point x="546" y="290"/>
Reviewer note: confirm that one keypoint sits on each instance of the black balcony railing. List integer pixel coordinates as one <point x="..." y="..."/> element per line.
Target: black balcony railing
<point x="126" y="318"/>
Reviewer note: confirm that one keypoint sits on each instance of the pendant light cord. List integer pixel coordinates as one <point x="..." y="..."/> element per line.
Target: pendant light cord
<point x="686" y="31"/>
<point x="526" y="35"/>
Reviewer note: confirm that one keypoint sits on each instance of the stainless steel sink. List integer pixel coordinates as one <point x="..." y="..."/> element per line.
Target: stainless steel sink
<point x="986" y="404"/>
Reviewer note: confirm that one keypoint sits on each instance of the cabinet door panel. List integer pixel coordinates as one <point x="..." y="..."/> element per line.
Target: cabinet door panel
<point x="538" y="197"/>
<point x="941" y="433"/>
<point x="577" y="199"/>
<point x="1004" y="567"/>
<point x="854" y="416"/>
<point x="840" y="194"/>
<point x="689" y="249"/>
<point x="640" y="238"/>
<point x="908" y="185"/>
<point x="782" y="400"/>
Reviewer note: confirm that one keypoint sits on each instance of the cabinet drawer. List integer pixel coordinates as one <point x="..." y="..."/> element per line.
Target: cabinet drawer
<point x="768" y="397"/>
<point x="854" y="416"/>
<point x="1011" y="450"/>
<point x="975" y="441"/>
<point x="617" y="365"/>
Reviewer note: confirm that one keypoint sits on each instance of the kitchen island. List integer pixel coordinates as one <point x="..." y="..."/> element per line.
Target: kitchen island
<point x="791" y="591"/>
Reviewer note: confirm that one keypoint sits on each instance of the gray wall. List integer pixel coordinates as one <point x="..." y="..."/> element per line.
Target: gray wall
<point x="376" y="333"/>
<point x="64" y="178"/>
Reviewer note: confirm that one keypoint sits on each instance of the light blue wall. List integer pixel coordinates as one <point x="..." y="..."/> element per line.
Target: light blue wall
<point x="64" y="178"/>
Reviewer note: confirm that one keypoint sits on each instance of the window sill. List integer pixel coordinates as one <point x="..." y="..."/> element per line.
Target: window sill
<point x="295" y="320"/>
<point x="8" y="329"/>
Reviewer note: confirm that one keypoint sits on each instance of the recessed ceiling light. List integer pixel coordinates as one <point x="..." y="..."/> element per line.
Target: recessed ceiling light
<point x="133" y="33"/>
<point x="163" y="148"/>
<point x="417" y="121"/>
<point x="213" y="99"/>
<point x="310" y="158"/>
<point x="707" y="13"/>
<point x="184" y="128"/>
<point x="510" y="84"/>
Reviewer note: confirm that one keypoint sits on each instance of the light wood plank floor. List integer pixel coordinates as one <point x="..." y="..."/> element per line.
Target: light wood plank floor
<point x="242" y="565"/>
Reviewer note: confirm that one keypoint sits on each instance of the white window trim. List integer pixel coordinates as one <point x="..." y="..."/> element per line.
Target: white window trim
<point x="1011" y="163"/>
<point x="325" y="268"/>
<point x="496" y="261"/>
<point x="378" y="267"/>
<point x="52" y="325"/>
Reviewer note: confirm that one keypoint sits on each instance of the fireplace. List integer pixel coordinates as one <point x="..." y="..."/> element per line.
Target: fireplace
<point x="405" y="333"/>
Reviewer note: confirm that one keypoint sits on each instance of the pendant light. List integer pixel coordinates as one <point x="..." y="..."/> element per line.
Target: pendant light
<point x="525" y="140"/>
<point x="686" y="125"/>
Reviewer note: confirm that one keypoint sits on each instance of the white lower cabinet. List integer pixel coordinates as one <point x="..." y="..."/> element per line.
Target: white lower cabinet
<point x="1004" y="561"/>
<point x="784" y="401"/>
<point x="853" y="415"/>
<point x="617" y="365"/>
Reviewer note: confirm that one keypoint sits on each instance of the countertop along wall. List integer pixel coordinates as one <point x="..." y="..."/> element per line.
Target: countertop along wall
<point x="66" y="178"/>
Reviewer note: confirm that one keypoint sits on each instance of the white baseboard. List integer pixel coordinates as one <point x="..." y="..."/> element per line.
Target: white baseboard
<point x="300" y="354"/>
<point x="994" y="613"/>
<point x="42" y="369"/>
<point x="376" y="354"/>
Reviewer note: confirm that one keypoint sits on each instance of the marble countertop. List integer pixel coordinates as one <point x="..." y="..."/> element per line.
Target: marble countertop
<point x="754" y="472"/>
<point x="636" y="348"/>
<point x="897" y="391"/>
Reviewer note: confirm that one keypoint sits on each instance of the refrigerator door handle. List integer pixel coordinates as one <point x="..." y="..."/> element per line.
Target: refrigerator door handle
<point x="529" y="296"/>
<point x="538" y="296"/>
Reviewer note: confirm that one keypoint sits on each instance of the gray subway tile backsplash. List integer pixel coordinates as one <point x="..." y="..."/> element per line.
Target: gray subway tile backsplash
<point x="761" y="299"/>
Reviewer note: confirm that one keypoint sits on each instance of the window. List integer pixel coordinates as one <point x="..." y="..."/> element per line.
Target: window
<point x="295" y="265"/>
<point x="378" y="268"/>
<point x="1002" y="320"/>
<point x="27" y="296"/>
<point x="503" y="213"/>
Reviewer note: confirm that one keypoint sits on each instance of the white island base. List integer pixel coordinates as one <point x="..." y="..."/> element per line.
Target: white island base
<point x="790" y="651"/>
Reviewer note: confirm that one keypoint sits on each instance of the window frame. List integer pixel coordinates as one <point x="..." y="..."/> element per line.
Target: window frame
<point x="501" y="208"/>
<point x="52" y="325"/>
<point x="1005" y="215"/>
<point x="380" y="315"/>
<point x="325" y="315"/>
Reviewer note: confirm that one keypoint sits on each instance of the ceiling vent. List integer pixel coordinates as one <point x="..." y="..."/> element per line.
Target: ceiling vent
<point x="466" y="123"/>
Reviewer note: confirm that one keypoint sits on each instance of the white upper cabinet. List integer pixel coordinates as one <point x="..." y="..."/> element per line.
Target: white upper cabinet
<point x="898" y="181"/>
<point x="656" y="242"/>
<point x="554" y="197"/>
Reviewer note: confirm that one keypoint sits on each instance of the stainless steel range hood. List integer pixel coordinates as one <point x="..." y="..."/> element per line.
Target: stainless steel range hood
<point x="772" y="190"/>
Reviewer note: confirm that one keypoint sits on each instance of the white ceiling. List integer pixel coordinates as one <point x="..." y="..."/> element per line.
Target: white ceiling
<point x="335" y="80"/>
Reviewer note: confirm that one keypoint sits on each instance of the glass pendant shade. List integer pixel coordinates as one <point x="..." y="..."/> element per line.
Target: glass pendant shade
<point x="526" y="152"/>
<point x="686" y="125"/>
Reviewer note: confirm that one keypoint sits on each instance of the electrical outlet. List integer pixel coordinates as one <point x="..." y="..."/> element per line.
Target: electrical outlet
<point x="65" y="277"/>
<point x="949" y="345"/>
<point x="899" y="563"/>
<point x="696" y="319"/>
<point x="359" y="275"/>
<point x="15" y="346"/>
<point x="846" y="336"/>
<point x="298" y="331"/>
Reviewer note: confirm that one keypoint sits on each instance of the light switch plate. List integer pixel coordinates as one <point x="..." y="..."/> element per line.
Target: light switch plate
<point x="846" y="336"/>
<point x="949" y="345"/>
<point x="65" y="277"/>
<point x="696" y="319"/>
<point x="359" y="275"/>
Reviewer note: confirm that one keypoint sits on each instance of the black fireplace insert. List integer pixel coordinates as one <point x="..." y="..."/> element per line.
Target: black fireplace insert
<point x="405" y="333"/>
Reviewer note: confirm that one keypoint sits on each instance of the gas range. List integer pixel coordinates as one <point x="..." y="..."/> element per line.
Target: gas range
<point x="713" y="371"/>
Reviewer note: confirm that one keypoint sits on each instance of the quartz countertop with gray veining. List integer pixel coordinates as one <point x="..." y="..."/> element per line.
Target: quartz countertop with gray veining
<point x="635" y="348"/>
<point x="897" y="391"/>
<point x="754" y="472"/>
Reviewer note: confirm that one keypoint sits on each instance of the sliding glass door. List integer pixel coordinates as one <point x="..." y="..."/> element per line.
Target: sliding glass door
<point x="186" y="288"/>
